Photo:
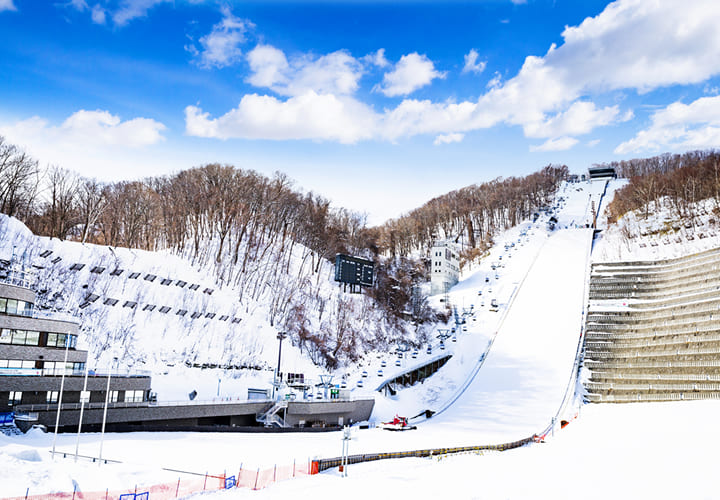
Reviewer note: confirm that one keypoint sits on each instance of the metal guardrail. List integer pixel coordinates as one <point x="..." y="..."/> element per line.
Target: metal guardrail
<point x="54" y="372"/>
<point x="154" y="404"/>
<point x="328" y="463"/>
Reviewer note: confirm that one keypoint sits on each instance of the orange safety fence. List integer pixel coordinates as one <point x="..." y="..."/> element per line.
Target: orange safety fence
<point x="244" y="478"/>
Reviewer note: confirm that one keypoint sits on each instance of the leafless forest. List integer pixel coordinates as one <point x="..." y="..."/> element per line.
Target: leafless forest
<point x="268" y="240"/>
<point x="678" y="180"/>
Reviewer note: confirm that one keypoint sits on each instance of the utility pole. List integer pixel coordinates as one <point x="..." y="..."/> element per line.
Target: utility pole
<point x="276" y="381"/>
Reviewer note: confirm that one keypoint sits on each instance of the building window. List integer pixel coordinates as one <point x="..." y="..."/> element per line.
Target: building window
<point x="134" y="396"/>
<point x="15" y="307"/>
<point x="52" y="397"/>
<point x="16" y="363"/>
<point x="59" y="340"/>
<point x="114" y="395"/>
<point x="84" y="396"/>
<point x="15" y="398"/>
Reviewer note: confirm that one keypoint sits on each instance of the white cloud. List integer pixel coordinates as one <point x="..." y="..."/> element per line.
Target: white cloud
<point x="7" y="5"/>
<point x="679" y="126"/>
<point x="87" y="139"/>
<point x="412" y="72"/>
<point x="632" y="45"/>
<point x="472" y="65"/>
<point x="269" y="66"/>
<point x="78" y="4"/>
<point x="309" y="116"/>
<point x="377" y="58"/>
<point x="448" y="138"/>
<point x="593" y="143"/>
<point x="519" y="2"/>
<point x="221" y="47"/>
<point x="98" y="14"/>
<point x="334" y="73"/>
<point x="495" y="81"/>
<point x="580" y="118"/>
<point x="559" y="144"/>
<point x="88" y="127"/>
<point x="132" y="9"/>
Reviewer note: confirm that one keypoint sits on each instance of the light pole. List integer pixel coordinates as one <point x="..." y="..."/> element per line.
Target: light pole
<point x="276" y="381"/>
<point x="82" y="410"/>
<point x="107" y="398"/>
<point x="62" y="386"/>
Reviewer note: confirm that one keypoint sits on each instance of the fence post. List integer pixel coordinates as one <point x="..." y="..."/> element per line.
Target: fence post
<point x="27" y="491"/>
<point x="177" y="489"/>
<point x="275" y="474"/>
<point x="74" y="490"/>
<point x="205" y="483"/>
<point x="106" y="494"/>
<point x="293" y="467"/>
<point x="256" y="478"/>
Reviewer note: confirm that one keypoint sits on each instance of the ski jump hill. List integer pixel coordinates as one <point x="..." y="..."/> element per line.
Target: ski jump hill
<point x="520" y="382"/>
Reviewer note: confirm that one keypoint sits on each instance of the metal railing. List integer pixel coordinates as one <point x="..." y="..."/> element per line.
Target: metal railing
<point x="58" y="372"/>
<point x="128" y="404"/>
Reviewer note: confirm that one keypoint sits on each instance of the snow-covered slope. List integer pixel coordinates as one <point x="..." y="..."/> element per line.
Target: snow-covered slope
<point x="654" y="450"/>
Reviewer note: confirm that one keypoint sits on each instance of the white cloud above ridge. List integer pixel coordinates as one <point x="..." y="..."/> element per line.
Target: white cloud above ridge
<point x="679" y="126"/>
<point x="580" y="118"/>
<point x="411" y="73"/>
<point x="309" y="116"/>
<point x="550" y="97"/>
<point x="88" y="127"/>
<point x="87" y="139"/>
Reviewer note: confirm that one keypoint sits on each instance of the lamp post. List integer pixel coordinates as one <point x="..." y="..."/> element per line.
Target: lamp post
<point x="82" y="410"/>
<point x="276" y="381"/>
<point x="107" y="398"/>
<point x="62" y="386"/>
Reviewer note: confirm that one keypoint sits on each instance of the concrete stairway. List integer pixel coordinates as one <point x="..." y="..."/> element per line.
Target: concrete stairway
<point x="653" y="330"/>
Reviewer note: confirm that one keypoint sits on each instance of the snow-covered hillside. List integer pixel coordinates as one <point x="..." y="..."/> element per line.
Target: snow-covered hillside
<point x="159" y="312"/>
<point x="507" y="378"/>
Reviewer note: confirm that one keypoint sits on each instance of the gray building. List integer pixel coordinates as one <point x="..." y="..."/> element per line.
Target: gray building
<point x="36" y="350"/>
<point x="39" y="358"/>
<point x="444" y="267"/>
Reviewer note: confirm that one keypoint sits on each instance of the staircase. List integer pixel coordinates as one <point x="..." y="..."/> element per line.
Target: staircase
<point x="270" y="418"/>
<point x="653" y="330"/>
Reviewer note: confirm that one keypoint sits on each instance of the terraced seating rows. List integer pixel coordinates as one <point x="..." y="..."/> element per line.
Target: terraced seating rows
<point x="662" y="341"/>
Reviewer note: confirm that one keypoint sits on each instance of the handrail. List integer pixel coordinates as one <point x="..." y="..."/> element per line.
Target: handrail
<point x="153" y="404"/>
<point x="58" y="372"/>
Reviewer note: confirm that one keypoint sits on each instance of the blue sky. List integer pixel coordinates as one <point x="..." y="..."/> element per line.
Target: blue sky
<point x="377" y="105"/>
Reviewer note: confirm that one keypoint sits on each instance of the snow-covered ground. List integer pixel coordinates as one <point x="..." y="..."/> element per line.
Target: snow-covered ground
<point x="527" y="348"/>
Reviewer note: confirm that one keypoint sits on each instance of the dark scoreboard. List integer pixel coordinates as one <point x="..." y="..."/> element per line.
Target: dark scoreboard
<point x="353" y="270"/>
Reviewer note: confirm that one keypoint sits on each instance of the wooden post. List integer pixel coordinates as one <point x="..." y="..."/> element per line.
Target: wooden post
<point x="177" y="489"/>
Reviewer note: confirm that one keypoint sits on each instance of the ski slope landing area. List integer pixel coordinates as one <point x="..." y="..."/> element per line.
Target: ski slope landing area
<point x="522" y="383"/>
